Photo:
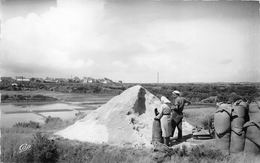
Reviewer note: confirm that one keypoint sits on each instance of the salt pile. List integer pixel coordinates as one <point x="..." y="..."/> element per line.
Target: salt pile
<point x="125" y="119"/>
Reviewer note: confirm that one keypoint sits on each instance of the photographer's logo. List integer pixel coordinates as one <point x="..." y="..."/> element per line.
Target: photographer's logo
<point x="24" y="147"/>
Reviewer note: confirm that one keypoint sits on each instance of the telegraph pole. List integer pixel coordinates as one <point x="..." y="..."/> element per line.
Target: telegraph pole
<point x="157" y="77"/>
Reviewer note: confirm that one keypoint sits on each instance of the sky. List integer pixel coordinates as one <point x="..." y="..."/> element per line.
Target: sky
<point x="132" y="41"/>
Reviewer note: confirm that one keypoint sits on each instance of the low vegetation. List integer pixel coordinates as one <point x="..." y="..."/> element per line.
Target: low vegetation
<point x="199" y="117"/>
<point x="39" y="148"/>
<point x="25" y="98"/>
<point x="195" y="92"/>
<point x="30" y="124"/>
<point x="206" y="93"/>
<point x="43" y="149"/>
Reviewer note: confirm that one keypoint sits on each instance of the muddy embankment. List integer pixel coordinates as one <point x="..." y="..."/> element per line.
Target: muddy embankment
<point x="17" y="98"/>
<point x="50" y="97"/>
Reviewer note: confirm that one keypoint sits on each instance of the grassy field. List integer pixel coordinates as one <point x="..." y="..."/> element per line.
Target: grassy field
<point x="66" y="151"/>
<point x="198" y="116"/>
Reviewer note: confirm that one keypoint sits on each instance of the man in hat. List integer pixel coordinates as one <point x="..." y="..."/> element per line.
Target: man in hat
<point x="177" y="113"/>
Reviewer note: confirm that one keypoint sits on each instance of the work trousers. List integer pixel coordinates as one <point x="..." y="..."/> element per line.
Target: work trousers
<point x="179" y="127"/>
<point x="177" y="122"/>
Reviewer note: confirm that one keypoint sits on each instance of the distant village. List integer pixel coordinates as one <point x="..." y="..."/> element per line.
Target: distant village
<point x="19" y="79"/>
<point x="21" y="82"/>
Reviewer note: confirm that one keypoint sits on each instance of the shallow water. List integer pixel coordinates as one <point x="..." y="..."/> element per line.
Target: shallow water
<point x="32" y="107"/>
<point x="8" y="120"/>
<point x="63" y="115"/>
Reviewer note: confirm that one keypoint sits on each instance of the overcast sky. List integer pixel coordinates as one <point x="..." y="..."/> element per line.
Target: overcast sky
<point x="131" y="41"/>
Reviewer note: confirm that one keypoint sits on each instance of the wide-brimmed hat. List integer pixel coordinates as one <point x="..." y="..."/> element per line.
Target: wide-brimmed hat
<point x="176" y="92"/>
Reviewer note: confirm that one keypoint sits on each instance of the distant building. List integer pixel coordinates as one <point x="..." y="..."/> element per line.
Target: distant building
<point x="22" y="79"/>
<point x="105" y="80"/>
<point x="108" y="80"/>
<point x="38" y="80"/>
<point x="49" y="80"/>
<point x="14" y="84"/>
<point x="7" y="79"/>
<point x="89" y="80"/>
<point x="76" y="79"/>
<point x="61" y="80"/>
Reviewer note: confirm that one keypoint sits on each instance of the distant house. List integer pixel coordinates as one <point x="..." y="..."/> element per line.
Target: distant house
<point x="37" y="80"/>
<point x="88" y="80"/>
<point x="106" y="80"/>
<point x="14" y="85"/>
<point x="76" y="79"/>
<point x="22" y="79"/>
<point x="101" y="80"/>
<point x="7" y="79"/>
<point x="61" y="80"/>
<point x="49" y="80"/>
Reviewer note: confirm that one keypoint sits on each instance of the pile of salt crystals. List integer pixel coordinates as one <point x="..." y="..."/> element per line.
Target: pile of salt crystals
<point x="124" y="120"/>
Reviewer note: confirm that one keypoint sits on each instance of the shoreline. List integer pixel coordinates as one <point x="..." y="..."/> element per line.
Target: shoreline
<point x="31" y="102"/>
<point x="52" y="102"/>
<point x="44" y="111"/>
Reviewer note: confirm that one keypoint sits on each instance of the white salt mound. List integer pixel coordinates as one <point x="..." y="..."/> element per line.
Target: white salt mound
<point x="125" y="119"/>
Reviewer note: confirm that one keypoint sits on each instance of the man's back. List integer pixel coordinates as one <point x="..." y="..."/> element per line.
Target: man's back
<point x="179" y="104"/>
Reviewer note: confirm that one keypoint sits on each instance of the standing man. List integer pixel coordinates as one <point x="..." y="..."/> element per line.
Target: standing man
<point x="177" y="113"/>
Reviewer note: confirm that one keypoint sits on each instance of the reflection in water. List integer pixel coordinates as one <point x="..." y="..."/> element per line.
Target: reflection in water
<point x="8" y="120"/>
<point x="55" y="106"/>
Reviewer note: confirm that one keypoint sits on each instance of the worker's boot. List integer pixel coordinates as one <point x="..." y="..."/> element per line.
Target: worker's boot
<point x="166" y="140"/>
<point x="180" y="135"/>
